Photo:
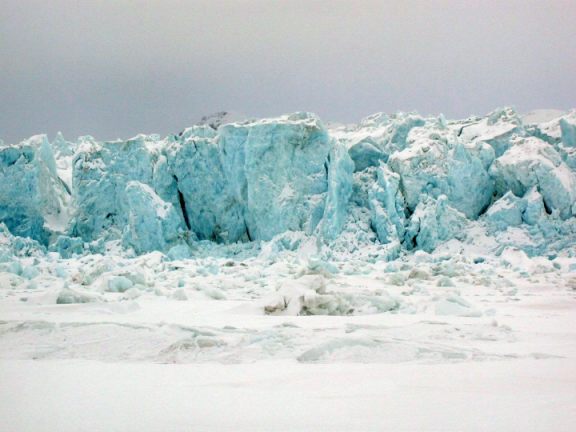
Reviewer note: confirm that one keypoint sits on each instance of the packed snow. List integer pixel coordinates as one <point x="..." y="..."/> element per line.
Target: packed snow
<point x="403" y="273"/>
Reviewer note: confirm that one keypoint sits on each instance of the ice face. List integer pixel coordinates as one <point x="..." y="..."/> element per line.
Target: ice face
<point x="532" y="162"/>
<point x="496" y="129"/>
<point x="285" y="175"/>
<point x="101" y="172"/>
<point x="387" y="185"/>
<point x="198" y="186"/>
<point x="437" y="163"/>
<point x="433" y="222"/>
<point x="340" y="169"/>
<point x="387" y="206"/>
<point x="506" y="212"/>
<point x="152" y="224"/>
<point x="33" y="199"/>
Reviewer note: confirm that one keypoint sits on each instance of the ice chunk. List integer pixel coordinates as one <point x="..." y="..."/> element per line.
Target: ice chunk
<point x="433" y="222"/>
<point x="436" y="163"/>
<point x="33" y="200"/>
<point x="70" y="296"/>
<point x="220" y="118"/>
<point x="201" y="188"/>
<point x="506" y="212"/>
<point x="534" y="207"/>
<point x="119" y="284"/>
<point x="365" y="154"/>
<point x="559" y="128"/>
<point x="387" y="206"/>
<point x="179" y="252"/>
<point x="68" y="246"/>
<point x="453" y="304"/>
<point x="377" y="137"/>
<point x="340" y="170"/>
<point x="533" y="162"/>
<point x="497" y="129"/>
<point x="11" y="245"/>
<point x="30" y="272"/>
<point x="568" y="130"/>
<point x="298" y="296"/>
<point x="278" y="170"/>
<point x="307" y="295"/>
<point x="350" y="347"/>
<point x="101" y="172"/>
<point x="153" y="224"/>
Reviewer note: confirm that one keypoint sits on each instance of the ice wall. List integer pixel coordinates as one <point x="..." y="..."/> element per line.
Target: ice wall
<point x="403" y="179"/>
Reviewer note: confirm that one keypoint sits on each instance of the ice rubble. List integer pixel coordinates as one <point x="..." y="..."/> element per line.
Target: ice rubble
<point x="385" y="186"/>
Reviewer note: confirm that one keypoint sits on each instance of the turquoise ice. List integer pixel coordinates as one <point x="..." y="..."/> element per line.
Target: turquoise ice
<point x="403" y="181"/>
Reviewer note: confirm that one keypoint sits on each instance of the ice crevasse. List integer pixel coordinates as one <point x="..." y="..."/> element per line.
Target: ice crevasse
<point x="391" y="182"/>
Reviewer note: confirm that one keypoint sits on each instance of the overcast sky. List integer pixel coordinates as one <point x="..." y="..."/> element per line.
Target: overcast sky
<point x="115" y="68"/>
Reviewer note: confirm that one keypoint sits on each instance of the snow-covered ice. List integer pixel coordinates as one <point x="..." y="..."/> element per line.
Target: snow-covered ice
<point x="404" y="273"/>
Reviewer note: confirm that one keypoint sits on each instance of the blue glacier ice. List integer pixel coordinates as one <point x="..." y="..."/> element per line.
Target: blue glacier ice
<point x="506" y="212"/>
<point x="67" y="246"/>
<point x="195" y="182"/>
<point x="152" y="224"/>
<point x="340" y="170"/>
<point x="33" y="199"/>
<point x="532" y="162"/>
<point x="382" y="187"/>
<point x="436" y="163"/>
<point x="496" y="129"/>
<point x="433" y="222"/>
<point x="534" y="211"/>
<point x="568" y="133"/>
<point x="101" y="172"/>
<point x="283" y="182"/>
<point x="378" y="136"/>
<point x="387" y="206"/>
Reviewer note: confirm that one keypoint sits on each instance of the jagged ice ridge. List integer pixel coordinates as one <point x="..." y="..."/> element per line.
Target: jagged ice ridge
<point x="385" y="186"/>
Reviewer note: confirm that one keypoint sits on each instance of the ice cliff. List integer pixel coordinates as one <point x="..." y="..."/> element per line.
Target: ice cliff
<point x="387" y="185"/>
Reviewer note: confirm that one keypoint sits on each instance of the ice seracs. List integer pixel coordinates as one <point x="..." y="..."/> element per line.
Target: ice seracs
<point x="436" y="163"/>
<point x="153" y="224"/>
<point x="392" y="183"/>
<point x="34" y="201"/>
<point x="532" y="162"/>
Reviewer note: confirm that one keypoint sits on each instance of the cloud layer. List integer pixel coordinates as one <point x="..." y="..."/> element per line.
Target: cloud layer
<point x="116" y="68"/>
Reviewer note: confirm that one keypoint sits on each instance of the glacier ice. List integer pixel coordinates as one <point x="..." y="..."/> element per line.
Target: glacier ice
<point x="387" y="185"/>
<point x="387" y="206"/>
<point x="534" y="211"/>
<point x="432" y="222"/>
<point x="153" y="224"/>
<point x="496" y="129"/>
<point x="339" y="191"/>
<point x="532" y="162"/>
<point x="33" y="200"/>
<point x="506" y="212"/>
<point x="285" y="175"/>
<point x="101" y="172"/>
<point x="197" y="184"/>
<point x="436" y="163"/>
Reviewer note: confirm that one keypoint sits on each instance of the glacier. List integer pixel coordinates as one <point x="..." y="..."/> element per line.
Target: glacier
<point x="399" y="181"/>
<point x="241" y="259"/>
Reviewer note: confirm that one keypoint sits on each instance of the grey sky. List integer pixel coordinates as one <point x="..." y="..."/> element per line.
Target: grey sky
<point x="115" y="68"/>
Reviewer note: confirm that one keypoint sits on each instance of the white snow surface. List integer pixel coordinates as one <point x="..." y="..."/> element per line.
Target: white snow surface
<point x="286" y="342"/>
